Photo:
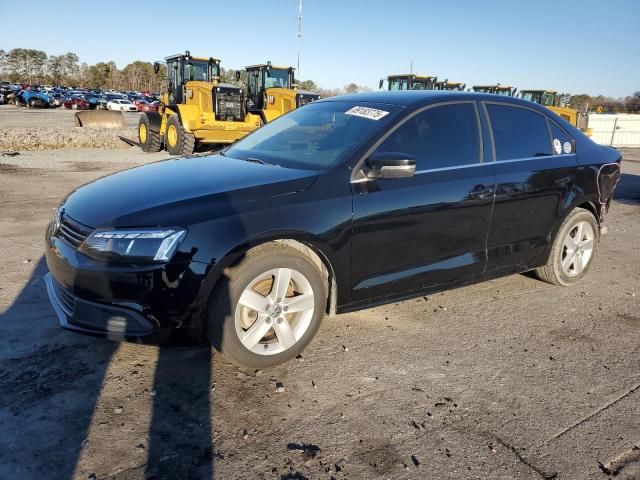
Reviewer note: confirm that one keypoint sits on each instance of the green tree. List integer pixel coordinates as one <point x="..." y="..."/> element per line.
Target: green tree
<point x="351" y="88"/>
<point x="308" y="85"/>
<point x="98" y="74"/>
<point x="55" y="68"/>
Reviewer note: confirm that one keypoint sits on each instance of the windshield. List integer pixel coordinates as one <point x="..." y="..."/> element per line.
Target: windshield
<point x="196" y="70"/>
<point x="532" y="96"/>
<point x="316" y="136"/>
<point x="421" y="85"/>
<point x="398" y="84"/>
<point x="274" y="78"/>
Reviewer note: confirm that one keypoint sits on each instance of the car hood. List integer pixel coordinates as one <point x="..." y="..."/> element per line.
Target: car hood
<point x="181" y="192"/>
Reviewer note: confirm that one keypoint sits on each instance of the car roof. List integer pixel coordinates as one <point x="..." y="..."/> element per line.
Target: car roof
<point x="419" y="98"/>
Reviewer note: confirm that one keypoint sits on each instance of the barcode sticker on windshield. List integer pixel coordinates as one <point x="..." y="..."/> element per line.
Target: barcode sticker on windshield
<point x="366" y="112"/>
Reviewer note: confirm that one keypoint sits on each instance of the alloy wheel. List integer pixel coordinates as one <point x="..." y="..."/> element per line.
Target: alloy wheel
<point x="274" y="311"/>
<point x="577" y="249"/>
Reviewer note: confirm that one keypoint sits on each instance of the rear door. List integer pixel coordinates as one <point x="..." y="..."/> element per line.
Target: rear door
<point x="410" y="233"/>
<point x="535" y="170"/>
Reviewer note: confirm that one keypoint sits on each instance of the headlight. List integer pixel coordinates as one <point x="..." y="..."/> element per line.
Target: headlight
<point x="148" y="245"/>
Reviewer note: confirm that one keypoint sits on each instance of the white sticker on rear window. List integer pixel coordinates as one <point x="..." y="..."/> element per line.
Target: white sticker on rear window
<point x="366" y="112"/>
<point x="557" y="146"/>
<point x="566" y="147"/>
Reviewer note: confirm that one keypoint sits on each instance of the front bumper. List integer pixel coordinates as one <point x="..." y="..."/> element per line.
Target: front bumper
<point x="123" y="302"/>
<point x="94" y="318"/>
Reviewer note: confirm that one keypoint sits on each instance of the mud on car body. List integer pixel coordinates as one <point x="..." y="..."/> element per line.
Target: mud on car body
<point x="340" y="205"/>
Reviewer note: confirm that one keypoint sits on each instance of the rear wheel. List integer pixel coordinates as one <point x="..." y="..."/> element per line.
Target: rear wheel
<point x="573" y="251"/>
<point x="150" y="140"/>
<point x="32" y="103"/>
<point x="177" y="139"/>
<point x="267" y="308"/>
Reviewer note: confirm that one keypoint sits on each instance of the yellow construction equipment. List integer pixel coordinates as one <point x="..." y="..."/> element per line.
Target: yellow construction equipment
<point x="558" y="103"/>
<point x="272" y="91"/>
<point x="496" y="89"/>
<point x="447" y="85"/>
<point x="100" y="119"/>
<point x="410" y="81"/>
<point x="195" y="108"/>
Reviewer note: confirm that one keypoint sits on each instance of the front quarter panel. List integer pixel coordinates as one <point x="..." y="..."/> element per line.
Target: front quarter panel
<point x="319" y="216"/>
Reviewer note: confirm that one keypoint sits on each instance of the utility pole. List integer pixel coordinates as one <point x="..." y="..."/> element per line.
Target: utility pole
<point x="411" y="68"/>
<point x="299" y="33"/>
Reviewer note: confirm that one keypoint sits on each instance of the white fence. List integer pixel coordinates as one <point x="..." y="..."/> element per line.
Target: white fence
<point x="617" y="130"/>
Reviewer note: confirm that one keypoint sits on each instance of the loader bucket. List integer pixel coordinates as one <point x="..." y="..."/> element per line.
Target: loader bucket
<point x="100" y="119"/>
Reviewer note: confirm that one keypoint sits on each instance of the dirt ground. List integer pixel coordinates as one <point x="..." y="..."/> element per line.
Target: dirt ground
<point x="24" y="128"/>
<point x="512" y="378"/>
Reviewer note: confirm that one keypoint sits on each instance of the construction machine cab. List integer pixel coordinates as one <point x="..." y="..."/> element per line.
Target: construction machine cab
<point x="410" y="82"/>
<point x="272" y="91"/>
<point x="496" y="89"/>
<point x="262" y="77"/>
<point x="184" y="68"/>
<point x="447" y="85"/>
<point x="548" y="98"/>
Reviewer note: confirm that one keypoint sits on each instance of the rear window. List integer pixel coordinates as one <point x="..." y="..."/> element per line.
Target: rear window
<point x="518" y="132"/>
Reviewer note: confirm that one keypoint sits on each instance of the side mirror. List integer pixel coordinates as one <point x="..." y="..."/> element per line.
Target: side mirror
<point x="156" y="67"/>
<point x="237" y="75"/>
<point x="390" y="165"/>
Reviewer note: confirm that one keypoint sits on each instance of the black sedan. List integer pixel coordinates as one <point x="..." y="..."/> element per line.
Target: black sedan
<point x="340" y="205"/>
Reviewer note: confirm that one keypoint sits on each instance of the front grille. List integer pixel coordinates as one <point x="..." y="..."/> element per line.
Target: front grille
<point x="302" y="99"/>
<point x="228" y="103"/>
<point x="65" y="299"/>
<point x="71" y="231"/>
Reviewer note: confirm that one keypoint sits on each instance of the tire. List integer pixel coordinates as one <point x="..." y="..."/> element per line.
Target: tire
<point x="150" y="141"/>
<point x="177" y="139"/>
<point x="228" y="320"/>
<point x="74" y="106"/>
<point x="32" y="103"/>
<point x="569" y="262"/>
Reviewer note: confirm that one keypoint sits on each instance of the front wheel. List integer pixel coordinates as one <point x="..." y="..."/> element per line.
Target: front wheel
<point x="267" y="308"/>
<point x="150" y="140"/>
<point x="573" y="251"/>
<point x="177" y="139"/>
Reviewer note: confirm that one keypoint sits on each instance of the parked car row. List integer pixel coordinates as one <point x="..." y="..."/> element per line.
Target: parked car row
<point x="33" y="96"/>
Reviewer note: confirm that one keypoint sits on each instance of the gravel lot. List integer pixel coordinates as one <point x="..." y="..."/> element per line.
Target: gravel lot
<point x="512" y="378"/>
<point x="54" y="128"/>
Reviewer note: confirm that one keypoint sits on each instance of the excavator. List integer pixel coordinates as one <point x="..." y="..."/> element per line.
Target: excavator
<point x="272" y="91"/>
<point x="558" y="104"/>
<point x="196" y="108"/>
<point x="410" y="81"/>
<point x="496" y="89"/>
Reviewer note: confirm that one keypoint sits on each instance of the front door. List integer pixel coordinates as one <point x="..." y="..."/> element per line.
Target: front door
<point x="412" y="233"/>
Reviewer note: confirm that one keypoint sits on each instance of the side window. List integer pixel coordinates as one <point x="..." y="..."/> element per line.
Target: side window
<point x="561" y="142"/>
<point x="518" y="132"/>
<point x="439" y="137"/>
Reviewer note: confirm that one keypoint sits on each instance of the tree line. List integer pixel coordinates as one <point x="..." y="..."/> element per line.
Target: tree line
<point x="35" y="67"/>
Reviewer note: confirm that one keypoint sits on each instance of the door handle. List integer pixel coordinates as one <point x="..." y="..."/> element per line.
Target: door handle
<point x="480" y="192"/>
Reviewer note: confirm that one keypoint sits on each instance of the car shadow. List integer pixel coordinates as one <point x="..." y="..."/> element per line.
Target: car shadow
<point x="628" y="189"/>
<point x="55" y="387"/>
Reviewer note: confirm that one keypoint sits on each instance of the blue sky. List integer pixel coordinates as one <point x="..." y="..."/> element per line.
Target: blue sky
<point x="574" y="46"/>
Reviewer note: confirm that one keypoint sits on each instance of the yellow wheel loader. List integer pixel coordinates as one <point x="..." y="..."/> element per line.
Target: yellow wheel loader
<point x="271" y="91"/>
<point x="195" y="108"/>
<point x="447" y="85"/>
<point x="557" y="103"/>
<point x="410" y="81"/>
<point x="496" y="89"/>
